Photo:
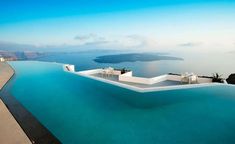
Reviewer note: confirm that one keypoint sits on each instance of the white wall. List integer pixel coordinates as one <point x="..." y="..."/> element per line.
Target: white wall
<point x="199" y="79"/>
<point x="159" y="79"/>
<point x="204" y="80"/>
<point x="90" y="72"/>
<point x="116" y="72"/>
<point x="178" y="78"/>
<point x="127" y="74"/>
<point x="127" y="77"/>
<point x="138" y="80"/>
<point x="174" y="77"/>
<point x="96" y="71"/>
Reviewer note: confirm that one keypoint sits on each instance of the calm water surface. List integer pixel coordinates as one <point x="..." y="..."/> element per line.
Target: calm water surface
<point x="80" y="110"/>
<point x="201" y="64"/>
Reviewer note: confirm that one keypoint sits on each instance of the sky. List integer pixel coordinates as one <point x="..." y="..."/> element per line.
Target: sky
<point x="141" y="25"/>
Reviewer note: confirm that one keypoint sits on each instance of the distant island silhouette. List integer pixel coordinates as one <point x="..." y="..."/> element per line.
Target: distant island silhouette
<point x="133" y="57"/>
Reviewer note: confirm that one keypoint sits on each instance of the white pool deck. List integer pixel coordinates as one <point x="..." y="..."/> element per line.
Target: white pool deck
<point x="146" y="84"/>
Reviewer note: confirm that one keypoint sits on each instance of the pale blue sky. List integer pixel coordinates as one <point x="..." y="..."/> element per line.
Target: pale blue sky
<point x="150" y="25"/>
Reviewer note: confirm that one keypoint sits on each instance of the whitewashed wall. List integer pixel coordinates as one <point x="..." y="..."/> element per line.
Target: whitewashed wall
<point x="127" y="77"/>
<point x="204" y="80"/>
<point x="159" y="79"/>
<point x="178" y="78"/>
<point x="90" y="72"/>
<point x="116" y="72"/>
<point x="149" y="81"/>
<point x="127" y="74"/>
<point x="138" y="80"/>
<point x="174" y="77"/>
<point x="96" y="71"/>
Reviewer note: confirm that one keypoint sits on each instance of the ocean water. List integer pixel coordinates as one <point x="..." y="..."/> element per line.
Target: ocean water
<point x="81" y="110"/>
<point x="198" y="63"/>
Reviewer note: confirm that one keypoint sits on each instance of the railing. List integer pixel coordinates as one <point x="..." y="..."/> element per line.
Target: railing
<point x="90" y="72"/>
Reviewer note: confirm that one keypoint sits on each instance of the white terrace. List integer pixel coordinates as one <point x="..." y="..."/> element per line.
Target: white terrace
<point x="141" y="84"/>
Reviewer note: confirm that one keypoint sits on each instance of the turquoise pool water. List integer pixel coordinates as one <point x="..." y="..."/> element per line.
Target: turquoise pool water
<point x="81" y="110"/>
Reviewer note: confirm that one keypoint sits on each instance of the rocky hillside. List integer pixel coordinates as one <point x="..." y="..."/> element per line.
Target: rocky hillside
<point x="25" y="55"/>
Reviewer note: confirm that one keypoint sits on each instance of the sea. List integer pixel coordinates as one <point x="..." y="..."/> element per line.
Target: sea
<point x="202" y="64"/>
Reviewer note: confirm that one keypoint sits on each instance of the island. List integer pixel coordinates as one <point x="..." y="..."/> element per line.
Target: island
<point x="133" y="57"/>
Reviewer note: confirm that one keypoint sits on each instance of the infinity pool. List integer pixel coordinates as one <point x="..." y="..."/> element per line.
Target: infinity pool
<point x="81" y="110"/>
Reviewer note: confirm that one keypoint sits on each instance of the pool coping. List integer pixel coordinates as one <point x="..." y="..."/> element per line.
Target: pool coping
<point x="12" y="72"/>
<point x="10" y="130"/>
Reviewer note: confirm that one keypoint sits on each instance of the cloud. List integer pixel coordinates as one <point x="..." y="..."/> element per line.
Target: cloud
<point x="17" y="47"/>
<point x="125" y="41"/>
<point x="231" y="52"/>
<point x="89" y="38"/>
<point x="84" y="37"/>
<point x="190" y="44"/>
<point x="89" y="41"/>
<point x="142" y="41"/>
